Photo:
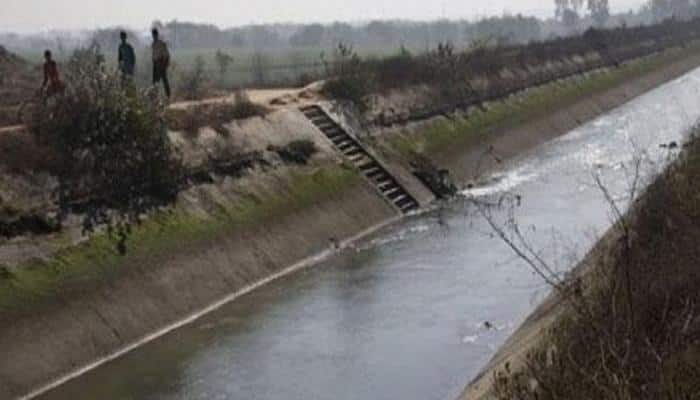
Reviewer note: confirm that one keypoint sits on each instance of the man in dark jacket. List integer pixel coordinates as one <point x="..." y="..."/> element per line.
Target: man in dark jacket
<point x="161" y="61"/>
<point x="127" y="57"/>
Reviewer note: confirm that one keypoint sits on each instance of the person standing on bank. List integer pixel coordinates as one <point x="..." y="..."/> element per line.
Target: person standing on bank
<point x="161" y="62"/>
<point x="52" y="84"/>
<point x="127" y="57"/>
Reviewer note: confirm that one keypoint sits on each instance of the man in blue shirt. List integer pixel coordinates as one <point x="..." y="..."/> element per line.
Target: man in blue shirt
<point x="127" y="57"/>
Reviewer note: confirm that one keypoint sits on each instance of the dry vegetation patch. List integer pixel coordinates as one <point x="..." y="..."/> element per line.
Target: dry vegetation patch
<point x="633" y="332"/>
<point x="214" y="115"/>
<point x="22" y="155"/>
<point x="460" y="79"/>
<point x="18" y="81"/>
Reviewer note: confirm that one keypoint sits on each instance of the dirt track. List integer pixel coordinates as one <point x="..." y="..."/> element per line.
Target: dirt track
<point x="273" y="98"/>
<point x="12" y="128"/>
<point x="270" y="97"/>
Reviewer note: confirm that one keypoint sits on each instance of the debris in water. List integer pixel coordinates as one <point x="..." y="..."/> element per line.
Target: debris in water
<point x="436" y="179"/>
<point x="669" y="146"/>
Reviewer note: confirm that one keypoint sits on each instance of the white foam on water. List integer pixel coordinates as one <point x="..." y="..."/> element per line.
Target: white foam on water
<point x="503" y="183"/>
<point x="470" y="339"/>
<point x="397" y="237"/>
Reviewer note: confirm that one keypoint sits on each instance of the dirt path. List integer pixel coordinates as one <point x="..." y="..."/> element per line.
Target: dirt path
<point x="274" y="98"/>
<point x="11" y="129"/>
<point x="281" y="98"/>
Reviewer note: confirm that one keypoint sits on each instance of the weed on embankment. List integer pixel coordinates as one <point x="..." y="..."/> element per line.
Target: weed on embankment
<point x="215" y="115"/>
<point x="632" y="329"/>
<point x="95" y="262"/>
<point x="537" y="102"/>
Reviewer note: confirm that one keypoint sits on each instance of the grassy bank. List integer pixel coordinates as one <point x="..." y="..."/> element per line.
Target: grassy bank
<point x="441" y="135"/>
<point x="77" y="269"/>
<point x="633" y="330"/>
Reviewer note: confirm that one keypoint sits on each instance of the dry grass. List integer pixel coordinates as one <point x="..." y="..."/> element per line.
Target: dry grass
<point x="634" y="331"/>
<point x="455" y="75"/>
<point x="214" y="115"/>
<point x="22" y="155"/>
<point x="18" y="79"/>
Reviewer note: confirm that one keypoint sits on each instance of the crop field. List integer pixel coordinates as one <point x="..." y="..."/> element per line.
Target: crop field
<point x="264" y="68"/>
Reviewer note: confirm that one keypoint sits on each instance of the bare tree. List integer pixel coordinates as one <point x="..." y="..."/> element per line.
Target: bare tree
<point x="193" y="81"/>
<point x="224" y="61"/>
<point x="569" y="11"/>
<point x="680" y="9"/>
<point x="259" y="65"/>
<point x="600" y="11"/>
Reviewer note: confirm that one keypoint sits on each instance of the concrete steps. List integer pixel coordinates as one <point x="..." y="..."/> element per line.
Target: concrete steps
<point x="367" y="164"/>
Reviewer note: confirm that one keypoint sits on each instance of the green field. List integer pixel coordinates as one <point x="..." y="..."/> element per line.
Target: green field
<point x="274" y="67"/>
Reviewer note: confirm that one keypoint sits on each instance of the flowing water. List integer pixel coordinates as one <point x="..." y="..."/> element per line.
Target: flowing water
<point x="404" y="314"/>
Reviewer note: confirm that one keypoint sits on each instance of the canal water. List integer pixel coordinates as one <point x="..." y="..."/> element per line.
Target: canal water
<point x="416" y="310"/>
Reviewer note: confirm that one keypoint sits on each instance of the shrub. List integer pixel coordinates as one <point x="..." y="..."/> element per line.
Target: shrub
<point x="243" y="108"/>
<point x="22" y="155"/>
<point x="5" y="272"/>
<point x="223" y="60"/>
<point x="296" y="152"/>
<point x="398" y="70"/>
<point x="117" y="161"/>
<point x="348" y="89"/>
<point x="259" y="66"/>
<point x="349" y="78"/>
<point x="193" y="81"/>
<point x="192" y="119"/>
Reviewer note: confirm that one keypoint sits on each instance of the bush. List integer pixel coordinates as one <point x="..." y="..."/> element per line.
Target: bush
<point x="243" y="108"/>
<point x="224" y="61"/>
<point x="259" y="63"/>
<point x="398" y="70"/>
<point x="117" y="161"/>
<point x="349" y="78"/>
<point x="21" y="155"/>
<point x="5" y="272"/>
<point x="296" y="152"/>
<point x="193" y="81"/>
<point x="348" y="89"/>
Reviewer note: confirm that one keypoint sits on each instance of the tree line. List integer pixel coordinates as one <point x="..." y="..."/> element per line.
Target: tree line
<point x="385" y="33"/>
<point x="571" y="13"/>
<point x="512" y="28"/>
<point x="569" y="17"/>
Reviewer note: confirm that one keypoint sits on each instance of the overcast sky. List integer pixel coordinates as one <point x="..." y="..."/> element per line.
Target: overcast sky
<point x="42" y="15"/>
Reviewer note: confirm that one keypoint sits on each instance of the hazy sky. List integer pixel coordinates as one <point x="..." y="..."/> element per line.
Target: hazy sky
<point x="38" y="15"/>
